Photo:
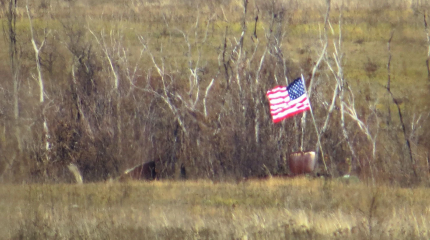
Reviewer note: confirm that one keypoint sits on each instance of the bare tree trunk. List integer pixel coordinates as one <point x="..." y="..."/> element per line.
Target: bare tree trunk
<point x="389" y="75"/>
<point x="116" y="81"/>
<point x="10" y="32"/>
<point x="83" y="118"/>
<point x="256" y="98"/>
<point x="407" y="141"/>
<point x="341" y="83"/>
<point x="39" y="79"/>
<point x="14" y="62"/>
<point x="428" y="42"/>
<point x="335" y="94"/>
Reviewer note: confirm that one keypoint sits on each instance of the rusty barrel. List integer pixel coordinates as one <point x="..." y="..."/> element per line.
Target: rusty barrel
<point x="302" y="162"/>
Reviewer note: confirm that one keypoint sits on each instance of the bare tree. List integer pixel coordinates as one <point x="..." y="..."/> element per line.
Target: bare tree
<point x="335" y="65"/>
<point x="188" y="105"/>
<point x="426" y="28"/>
<point x="322" y="56"/>
<point x="37" y="48"/>
<point x="14" y="62"/>
<point x="10" y="32"/>
<point x="109" y="51"/>
<point x="395" y="101"/>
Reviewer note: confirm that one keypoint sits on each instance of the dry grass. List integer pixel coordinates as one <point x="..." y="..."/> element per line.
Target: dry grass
<point x="277" y="208"/>
<point x="366" y="27"/>
<point x="299" y="208"/>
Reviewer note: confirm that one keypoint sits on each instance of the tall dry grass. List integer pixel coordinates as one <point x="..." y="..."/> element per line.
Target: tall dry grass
<point x="299" y="208"/>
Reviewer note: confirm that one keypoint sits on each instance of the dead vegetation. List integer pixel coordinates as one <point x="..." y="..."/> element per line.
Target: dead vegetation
<point x="104" y="86"/>
<point x="98" y="87"/>
<point x="277" y="208"/>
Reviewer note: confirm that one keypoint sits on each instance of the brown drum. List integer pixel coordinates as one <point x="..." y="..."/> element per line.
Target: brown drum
<point x="302" y="162"/>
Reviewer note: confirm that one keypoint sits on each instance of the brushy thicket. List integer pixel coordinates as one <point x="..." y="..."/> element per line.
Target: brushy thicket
<point x="126" y="82"/>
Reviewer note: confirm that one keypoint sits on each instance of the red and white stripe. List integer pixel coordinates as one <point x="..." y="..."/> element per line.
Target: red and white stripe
<point x="282" y="107"/>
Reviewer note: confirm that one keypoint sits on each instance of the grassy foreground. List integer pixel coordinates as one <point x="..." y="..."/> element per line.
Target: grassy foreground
<point x="299" y="208"/>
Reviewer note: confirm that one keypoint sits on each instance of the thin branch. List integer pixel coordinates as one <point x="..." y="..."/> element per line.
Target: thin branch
<point x="165" y="97"/>
<point x="428" y="43"/>
<point x="407" y="141"/>
<point x="79" y="106"/>
<point x="206" y="95"/>
<point x="389" y="74"/>
<point x="225" y="62"/>
<point x="37" y="49"/>
<point x="104" y="47"/>
<point x="323" y="53"/>
<point x="37" y="55"/>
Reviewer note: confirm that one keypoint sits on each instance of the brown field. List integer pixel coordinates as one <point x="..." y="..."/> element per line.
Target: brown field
<point x="165" y="54"/>
<point x="276" y="208"/>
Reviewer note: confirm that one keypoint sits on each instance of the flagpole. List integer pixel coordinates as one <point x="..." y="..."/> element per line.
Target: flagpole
<point x="303" y="117"/>
<point x="316" y="129"/>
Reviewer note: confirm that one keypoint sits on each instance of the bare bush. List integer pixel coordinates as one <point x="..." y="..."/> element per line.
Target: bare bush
<point x="186" y="82"/>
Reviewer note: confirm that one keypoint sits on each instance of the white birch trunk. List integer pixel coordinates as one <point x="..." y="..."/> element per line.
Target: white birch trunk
<point x="39" y="79"/>
<point x="116" y="80"/>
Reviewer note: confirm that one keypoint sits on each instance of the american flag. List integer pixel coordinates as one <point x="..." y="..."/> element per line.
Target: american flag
<point x="288" y="101"/>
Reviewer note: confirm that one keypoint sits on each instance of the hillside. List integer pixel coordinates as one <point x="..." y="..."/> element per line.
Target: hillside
<point x="106" y="85"/>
